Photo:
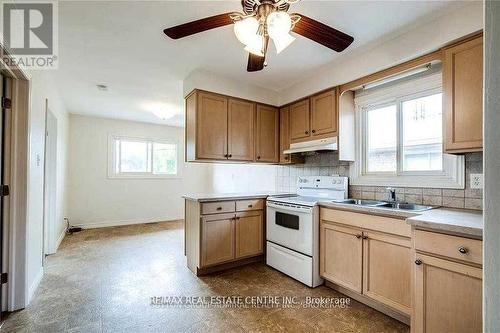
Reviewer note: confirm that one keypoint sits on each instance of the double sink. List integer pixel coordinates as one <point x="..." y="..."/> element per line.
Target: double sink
<point x="385" y="204"/>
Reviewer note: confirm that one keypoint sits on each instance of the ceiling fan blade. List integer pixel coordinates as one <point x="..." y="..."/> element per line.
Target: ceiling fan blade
<point x="197" y="26"/>
<point x="255" y="63"/>
<point x="322" y="34"/>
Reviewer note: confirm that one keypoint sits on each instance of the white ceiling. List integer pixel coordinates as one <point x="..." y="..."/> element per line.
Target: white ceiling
<point x="121" y="44"/>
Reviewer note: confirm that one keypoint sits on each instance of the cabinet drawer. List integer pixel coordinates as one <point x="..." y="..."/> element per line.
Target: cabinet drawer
<point x="254" y="204"/>
<point x="466" y="249"/>
<point x="217" y="207"/>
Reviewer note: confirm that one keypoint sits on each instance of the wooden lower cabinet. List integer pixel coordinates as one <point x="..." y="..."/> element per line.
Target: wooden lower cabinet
<point x="217" y="239"/>
<point x="448" y="296"/>
<point x="387" y="269"/>
<point x="223" y="234"/>
<point x="249" y="234"/>
<point x="341" y="250"/>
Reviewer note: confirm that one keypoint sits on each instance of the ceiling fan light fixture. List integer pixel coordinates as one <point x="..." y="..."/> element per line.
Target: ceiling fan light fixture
<point x="281" y="42"/>
<point x="256" y="45"/>
<point x="246" y="29"/>
<point x="278" y="24"/>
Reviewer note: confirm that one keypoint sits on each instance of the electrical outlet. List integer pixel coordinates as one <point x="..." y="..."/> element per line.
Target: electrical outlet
<point x="476" y="180"/>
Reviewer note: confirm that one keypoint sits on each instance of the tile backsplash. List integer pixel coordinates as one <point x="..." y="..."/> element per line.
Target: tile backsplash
<point x="325" y="164"/>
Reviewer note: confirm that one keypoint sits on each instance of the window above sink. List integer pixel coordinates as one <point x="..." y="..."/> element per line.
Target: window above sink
<point x="399" y="136"/>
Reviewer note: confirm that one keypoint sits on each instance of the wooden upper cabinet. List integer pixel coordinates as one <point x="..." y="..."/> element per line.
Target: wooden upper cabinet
<point x="463" y="96"/>
<point x="299" y="121"/>
<point x="240" y="132"/>
<point x="267" y="134"/>
<point x="211" y="126"/>
<point x="324" y="114"/>
<point x="284" y="134"/>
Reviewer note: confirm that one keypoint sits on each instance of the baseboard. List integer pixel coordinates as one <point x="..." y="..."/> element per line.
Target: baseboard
<point x="105" y="224"/>
<point x="34" y="285"/>
<point x="60" y="239"/>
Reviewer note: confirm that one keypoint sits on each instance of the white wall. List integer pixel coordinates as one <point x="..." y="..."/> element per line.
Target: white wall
<point x="491" y="234"/>
<point x="416" y="42"/>
<point x="243" y="178"/>
<point x="42" y="88"/>
<point x="96" y="200"/>
<point x="205" y="80"/>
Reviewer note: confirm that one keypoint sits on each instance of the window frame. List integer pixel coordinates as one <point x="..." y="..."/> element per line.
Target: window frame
<point x="112" y="158"/>
<point x="398" y="102"/>
<point x="453" y="173"/>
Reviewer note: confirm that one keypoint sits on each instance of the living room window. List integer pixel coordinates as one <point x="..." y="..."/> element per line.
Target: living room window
<point x="142" y="158"/>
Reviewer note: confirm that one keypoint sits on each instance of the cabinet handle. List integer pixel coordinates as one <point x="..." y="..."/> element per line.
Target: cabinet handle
<point x="307" y="132"/>
<point x="250" y="206"/>
<point x="463" y="250"/>
<point x="286" y="158"/>
<point x="237" y="217"/>
<point x="225" y="155"/>
<point x="258" y="157"/>
<point x="219" y="208"/>
<point x="314" y="131"/>
<point x="358" y="236"/>
<point x="365" y="237"/>
<point x="418" y="262"/>
<point x="230" y="155"/>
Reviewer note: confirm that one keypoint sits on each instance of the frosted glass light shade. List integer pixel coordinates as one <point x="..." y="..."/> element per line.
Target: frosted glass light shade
<point x="245" y="29"/>
<point x="255" y="45"/>
<point x="278" y="23"/>
<point x="281" y="42"/>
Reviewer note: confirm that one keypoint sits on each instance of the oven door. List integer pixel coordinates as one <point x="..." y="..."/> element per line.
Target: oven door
<point x="290" y="226"/>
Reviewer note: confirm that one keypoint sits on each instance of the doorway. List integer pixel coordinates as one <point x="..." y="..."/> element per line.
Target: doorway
<point x="50" y="183"/>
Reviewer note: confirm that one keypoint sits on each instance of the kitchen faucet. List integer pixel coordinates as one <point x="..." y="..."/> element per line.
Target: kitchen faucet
<point x="392" y="194"/>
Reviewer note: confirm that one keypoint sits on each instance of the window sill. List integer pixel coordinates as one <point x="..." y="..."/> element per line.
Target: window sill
<point x="138" y="177"/>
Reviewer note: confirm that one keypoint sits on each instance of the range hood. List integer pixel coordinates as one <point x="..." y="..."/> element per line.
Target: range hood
<point x="314" y="145"/>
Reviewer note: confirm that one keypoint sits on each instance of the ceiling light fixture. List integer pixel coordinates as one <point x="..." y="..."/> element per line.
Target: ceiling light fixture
<point x="102" y="87"/>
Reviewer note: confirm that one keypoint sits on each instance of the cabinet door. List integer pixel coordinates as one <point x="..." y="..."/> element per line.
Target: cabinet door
<point x="240" y="130"/>
<point x="267" y="140"/>
<point x="387" y="270"/>
<point x="217" y="244"/>
<point x="341" y="250"/>
<point x="448" y="296"/>
<point x="284" y="134"/>
<point x="211" y="126"/>
<point x="299" y="121"/>
<point x="249" y="234"/>
<point x="324" y="114"/>
<point x="463" y="96"/>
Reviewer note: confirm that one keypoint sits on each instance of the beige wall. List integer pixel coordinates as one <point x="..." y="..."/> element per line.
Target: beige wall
<point x="95" y="200"/>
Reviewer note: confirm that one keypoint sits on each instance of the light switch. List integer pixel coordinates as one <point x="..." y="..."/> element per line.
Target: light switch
<point x="476" y="180"/>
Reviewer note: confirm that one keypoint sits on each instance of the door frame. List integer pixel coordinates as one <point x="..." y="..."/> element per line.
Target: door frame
<point x="15" y="234"/>
<point x="49" y="183"/>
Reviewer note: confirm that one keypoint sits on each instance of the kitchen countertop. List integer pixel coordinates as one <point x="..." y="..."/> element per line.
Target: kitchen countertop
<point x="389" y="212"/>
<point x="233" y="196"/>
<point x="459" y="221"/>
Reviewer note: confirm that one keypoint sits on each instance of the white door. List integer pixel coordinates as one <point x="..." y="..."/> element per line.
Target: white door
<point x="50" y="184"/>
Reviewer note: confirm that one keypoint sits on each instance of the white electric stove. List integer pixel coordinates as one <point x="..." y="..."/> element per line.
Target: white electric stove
<point x="293" y="227"/>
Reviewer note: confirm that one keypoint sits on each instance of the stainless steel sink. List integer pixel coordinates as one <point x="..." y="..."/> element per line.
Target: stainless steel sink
<point x="406" y="206"/>
<point x="360" y="202"/>
<point x="385" y="204"/>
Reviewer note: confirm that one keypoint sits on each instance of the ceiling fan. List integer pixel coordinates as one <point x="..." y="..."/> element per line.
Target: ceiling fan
<point x="262" y="20"/>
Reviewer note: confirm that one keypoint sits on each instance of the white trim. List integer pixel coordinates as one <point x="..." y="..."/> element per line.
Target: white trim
<point x="60" y="239"/>
<point x="146" y="175"/>
<point x="117" y="223"/>
<point x="453" y="175"/>
<point x="34" y="285"/>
